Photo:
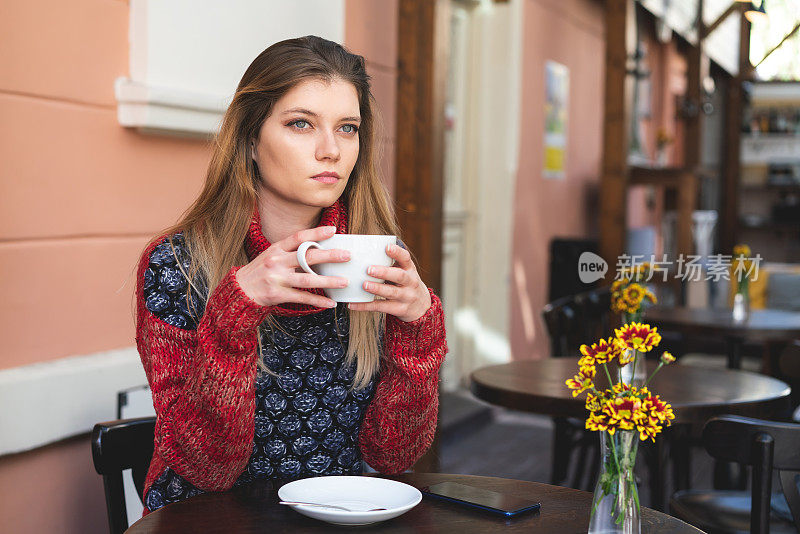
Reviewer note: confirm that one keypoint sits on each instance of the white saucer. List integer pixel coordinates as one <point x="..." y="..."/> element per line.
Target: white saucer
<point x="356" y="493"/>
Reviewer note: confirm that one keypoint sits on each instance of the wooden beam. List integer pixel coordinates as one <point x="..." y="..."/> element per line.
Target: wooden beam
<point x="785" y="37"/>
<point x="419" y="169"/>
<point x="734" y="7"/>
<point x="613" y="179"/>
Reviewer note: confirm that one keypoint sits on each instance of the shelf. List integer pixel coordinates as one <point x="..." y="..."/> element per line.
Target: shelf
<point x="771" y="188"/>
<point x="669" y="176"/>
<point x="771" y="226"/>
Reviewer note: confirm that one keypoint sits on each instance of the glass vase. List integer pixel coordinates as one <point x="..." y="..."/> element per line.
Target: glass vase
<point x="635" y="373"/>
<point x="615" y="506"/>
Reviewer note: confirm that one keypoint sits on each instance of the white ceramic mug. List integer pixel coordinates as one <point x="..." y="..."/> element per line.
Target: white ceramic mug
<point x="365" y="251"/>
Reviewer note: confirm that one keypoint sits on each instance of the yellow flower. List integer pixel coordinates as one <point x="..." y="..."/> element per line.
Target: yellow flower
<point x="580" y="382"/>
<point x="592" y="402"/>
<point x="603" y="351"/>
<point x="599" y="421"/>
<point x="617" y="286"/>
<point x="626" y="357"/>
<point x="638" y="336"/>
<point x="624" y="413"/>
<point x="657" y="415"/>
<point x="633" y="295"/>
<point x="667" y="358"/>
<point x="742" y="250"/>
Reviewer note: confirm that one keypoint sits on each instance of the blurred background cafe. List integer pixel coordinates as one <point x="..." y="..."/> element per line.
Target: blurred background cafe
<point x="533" y="148"/>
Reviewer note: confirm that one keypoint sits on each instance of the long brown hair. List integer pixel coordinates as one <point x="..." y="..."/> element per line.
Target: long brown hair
<point x="216" y="224"/>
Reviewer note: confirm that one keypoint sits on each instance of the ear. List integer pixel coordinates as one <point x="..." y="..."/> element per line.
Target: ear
<point x="252" y="150"/>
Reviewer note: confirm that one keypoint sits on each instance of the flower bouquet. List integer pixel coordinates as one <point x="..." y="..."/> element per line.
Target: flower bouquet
<point x="621" y="413"/>
<point x="629" y="298"/>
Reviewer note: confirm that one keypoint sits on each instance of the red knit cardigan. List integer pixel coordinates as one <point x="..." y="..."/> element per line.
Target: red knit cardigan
<point x="203" y="380"/>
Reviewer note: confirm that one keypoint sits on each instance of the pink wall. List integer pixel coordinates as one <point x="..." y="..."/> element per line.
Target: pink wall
<point x="77" y="204"/>
<point x="570" y="32"/>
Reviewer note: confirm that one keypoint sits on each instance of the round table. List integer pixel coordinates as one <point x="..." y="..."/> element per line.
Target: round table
<point x="771" y="327"/>
<point x="255" y="508"/>
<point x="695" y="393"/>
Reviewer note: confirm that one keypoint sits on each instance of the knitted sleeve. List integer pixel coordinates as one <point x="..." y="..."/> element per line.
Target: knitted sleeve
<point x="202" y="380"/>
<point x="401" y="420"/>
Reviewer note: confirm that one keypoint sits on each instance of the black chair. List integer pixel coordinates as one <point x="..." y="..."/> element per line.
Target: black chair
<point x="764" y="445"/>
<point x="116" y="446"/>
<point x="572" y="321"/>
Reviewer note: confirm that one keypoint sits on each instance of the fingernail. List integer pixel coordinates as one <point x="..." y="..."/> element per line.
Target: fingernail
<point x="371" y="271"/>
<point x="367" y="285"/>
<point x="331" y="304"/>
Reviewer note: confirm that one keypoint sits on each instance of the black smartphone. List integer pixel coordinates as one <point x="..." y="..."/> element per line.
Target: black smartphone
<point x="499" y="503"/>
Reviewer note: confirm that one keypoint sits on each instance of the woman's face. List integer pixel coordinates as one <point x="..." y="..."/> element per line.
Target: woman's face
<point x="312" y="130"/>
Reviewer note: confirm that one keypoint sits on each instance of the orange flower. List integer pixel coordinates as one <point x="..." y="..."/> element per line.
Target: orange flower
<point x="638" y="336"/>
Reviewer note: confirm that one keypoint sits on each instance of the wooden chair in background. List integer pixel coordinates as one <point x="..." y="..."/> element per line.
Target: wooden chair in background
<point x="572" y="321"/>
<point x="763" y="445"/>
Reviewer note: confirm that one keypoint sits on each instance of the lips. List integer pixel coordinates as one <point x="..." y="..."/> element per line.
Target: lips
<point x="326" y="177"/>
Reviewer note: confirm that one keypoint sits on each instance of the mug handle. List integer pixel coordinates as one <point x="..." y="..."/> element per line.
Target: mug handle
<point x="301" y="255"/>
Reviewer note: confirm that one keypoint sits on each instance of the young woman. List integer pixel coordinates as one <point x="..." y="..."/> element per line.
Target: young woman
<point x="254" y="372"/>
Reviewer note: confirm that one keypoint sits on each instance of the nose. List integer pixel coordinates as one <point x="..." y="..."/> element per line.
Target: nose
<point x="327" y="147"/>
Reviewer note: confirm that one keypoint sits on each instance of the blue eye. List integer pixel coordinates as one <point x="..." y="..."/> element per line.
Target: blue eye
<point x="353" y="128"/>
<point x="298" y="124"/>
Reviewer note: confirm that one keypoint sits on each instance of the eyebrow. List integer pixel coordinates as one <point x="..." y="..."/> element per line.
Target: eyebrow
<point x="312" y="114"/>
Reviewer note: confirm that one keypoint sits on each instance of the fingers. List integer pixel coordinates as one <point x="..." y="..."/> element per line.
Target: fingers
<point x="313" y="281"/>
<point x="386" y="291"/>
<point x="390" y="274"/>
<point x="383" y="306"/>
<point x="401" y="256"/>
<point x="304" y="297"/>
<point x="315" y="256"/>
<point x="291" y="243"/>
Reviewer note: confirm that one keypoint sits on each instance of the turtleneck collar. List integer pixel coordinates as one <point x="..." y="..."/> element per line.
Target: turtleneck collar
<point x="256" y="243"/>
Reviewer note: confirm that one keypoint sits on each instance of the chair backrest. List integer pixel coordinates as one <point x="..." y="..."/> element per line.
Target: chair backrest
<point x="764" y="445"/>
<point x="578" y="319"/>
<point x="117" y="446"/>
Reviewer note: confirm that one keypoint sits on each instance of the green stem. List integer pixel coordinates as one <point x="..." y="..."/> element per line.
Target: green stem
<point x="660" y="365"/>
<point x="608" y="375"/>
<point x="633" y="369"/>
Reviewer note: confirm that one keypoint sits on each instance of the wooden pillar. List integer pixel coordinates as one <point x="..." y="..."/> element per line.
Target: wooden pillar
<point x="419" y="169"/>
<point x="696" y="63"/>
<point x="613" y="180"/>
<point x="729" y="190"/>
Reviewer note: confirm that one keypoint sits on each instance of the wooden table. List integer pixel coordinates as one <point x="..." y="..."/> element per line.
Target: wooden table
<point x="255" y="508"/>
<point x="695" y="393"/>
<point x="771" y="327"/>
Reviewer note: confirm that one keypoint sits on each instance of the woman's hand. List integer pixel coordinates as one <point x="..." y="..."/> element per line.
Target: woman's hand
<point x="271" y="278"/>
<point x="407" y="297"/>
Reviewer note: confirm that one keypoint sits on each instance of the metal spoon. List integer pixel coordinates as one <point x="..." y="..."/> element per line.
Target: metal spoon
<point x="330" y="506"/>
